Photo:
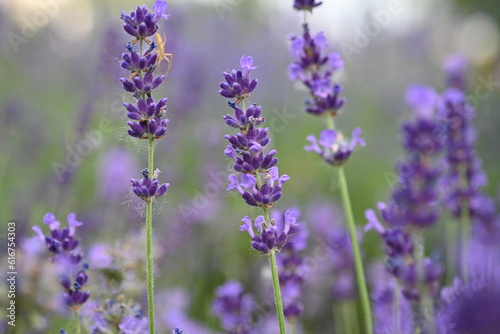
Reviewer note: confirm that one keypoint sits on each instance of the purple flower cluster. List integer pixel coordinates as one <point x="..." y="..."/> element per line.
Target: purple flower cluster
<point x="62" y="243"/>
<point x="271" y="238"/>
<point x="391" y="311"/>
<point x="147" y="188"/>
<point x="291" y="265"/>
<point x="146" y="114"/>
<point x="469" y="308"/>
<point x="142" y="23"/>
<point x="234" y="308"/>
<point x="414" y="201"/>
<point x="401" y="263"/>
<point x="238" y="83"/>
<point x="455" y="68"/>
<point x="247" y="151"/>
<point x="333" y="147"/>
<point x="334" y="238"/>
<point x="307" y="5"/>
<point x="264" y="195"/>
<point x="465" y="176"/>
<point x="315" y="69"/>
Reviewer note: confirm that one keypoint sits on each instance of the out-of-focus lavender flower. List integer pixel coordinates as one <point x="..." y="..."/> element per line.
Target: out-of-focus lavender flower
<point x="176" y="312"/>
<point x="306" y="4"/>
<point x="414" y="199"/>
<point x="391" y="311"/>
<point x="134" y="324"/>
<point x="326" y="223"/>
<point x="271" y="238"/>
<point x="147" y="188"/>
<point x="333" y="147"/>
<point x="465" y="176"/>
<point x="314" y="68"/>
<point x="115" y="168"/>
<point x="469" y="308"/>
<point x="63" y="244"/>
<point x="234" y="308"/>
<point x="401" y="263"/>
<point x="291" y="265"/>
<point x="455" y="68"/>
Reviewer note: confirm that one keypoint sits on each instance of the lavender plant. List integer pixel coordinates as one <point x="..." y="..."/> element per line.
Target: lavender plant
<point x="315" y="69"/>
<point x="464" y="178"/>
<point x="414" y="205"/>
<point x="146" y="115"/>
<point x="259" y="182"/>
<point x="72" y="272"/>
<point x="234" y="308"/>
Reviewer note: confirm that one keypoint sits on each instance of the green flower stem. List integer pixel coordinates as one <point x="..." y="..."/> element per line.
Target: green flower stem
<point x="149" y="246"/>
<point x="427" y="308"/>
<point x="277" y="293"/>
<point x="358" y="263"/>
<point x="77" y="323"/>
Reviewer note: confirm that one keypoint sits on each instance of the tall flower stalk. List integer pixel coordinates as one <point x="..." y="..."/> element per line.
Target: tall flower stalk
<point x="315" y="70"/>
<point x="258" y="181"/>
<point x="146" y="116"/>
<point x="413" y="207"/>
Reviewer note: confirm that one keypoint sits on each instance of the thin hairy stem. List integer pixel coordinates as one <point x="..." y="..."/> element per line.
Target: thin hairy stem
<point x="149" y="247"/>
<point x="426" y="305"/>
<point x="277" y="293"/>
<point x="77" y="323"/>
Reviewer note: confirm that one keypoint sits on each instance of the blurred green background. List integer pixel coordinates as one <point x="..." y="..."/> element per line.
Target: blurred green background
<point x="59" y="70"/>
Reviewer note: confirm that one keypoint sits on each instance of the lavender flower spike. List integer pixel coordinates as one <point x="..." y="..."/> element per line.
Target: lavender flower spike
<point x="234" y="308"/>
<point x="258" y="182"/>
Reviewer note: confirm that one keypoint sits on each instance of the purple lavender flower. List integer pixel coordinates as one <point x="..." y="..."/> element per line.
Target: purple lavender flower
<point x="134" y="324"/>
<point x="335" y="239"/>
<point x="291" y="264"/>
<point x="265" y="195"/>
<point x="391" y="311"/>
<point x="234" y="308"/>
<point x="306" y="4"/>
<point x="335" y="149"/>
<point x="142" y="23"/>
<point x="414" y="199"/>
<point x="455" y="68"/>
<point x="238" y="84"/>
<point x="401" y="263"/>
<point x="271" y="238"/>
<point x="469" y="308"/>
<point x="146" y="114"/>
<point x="465" y="176"/>
<point x="61" y="242"/>
<point x="149" y="189"/>
<point x="247" y="146"/>
<point x="314" y="69"/>
<point x="177" y="331"/>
